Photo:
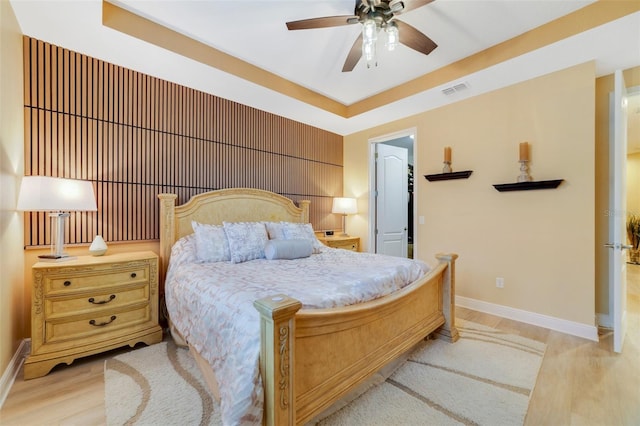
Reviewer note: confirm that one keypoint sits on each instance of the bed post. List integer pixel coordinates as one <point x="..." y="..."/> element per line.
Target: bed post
<point x="167" y="231"/>
<point x="304" y="205"/>
<point x="277" y="358"/>
<point x="448" y="331"/>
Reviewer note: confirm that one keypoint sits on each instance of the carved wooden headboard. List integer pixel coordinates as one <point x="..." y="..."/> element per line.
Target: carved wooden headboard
<point x="229" y="205"/>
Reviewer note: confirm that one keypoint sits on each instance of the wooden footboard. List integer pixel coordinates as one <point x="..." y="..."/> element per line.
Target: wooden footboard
<point x="309" y="359"/>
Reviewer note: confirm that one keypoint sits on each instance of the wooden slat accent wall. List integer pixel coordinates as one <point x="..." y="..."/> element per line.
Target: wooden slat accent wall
<point x="135" y="136"/>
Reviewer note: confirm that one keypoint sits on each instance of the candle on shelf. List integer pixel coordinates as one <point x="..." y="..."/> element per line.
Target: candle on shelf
<point x="447" y="154"/>
<point x="524" y="151"/>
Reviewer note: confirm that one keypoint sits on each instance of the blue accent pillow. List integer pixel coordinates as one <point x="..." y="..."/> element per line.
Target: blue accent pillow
<point x="288" y="249"/>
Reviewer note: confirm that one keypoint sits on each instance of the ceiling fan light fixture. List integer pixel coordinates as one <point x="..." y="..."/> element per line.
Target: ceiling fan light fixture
<point x="369" y="31"/>
<point x="369" y="53"/>
<point x="393" y="36"/>
<point x="369" y="41"/>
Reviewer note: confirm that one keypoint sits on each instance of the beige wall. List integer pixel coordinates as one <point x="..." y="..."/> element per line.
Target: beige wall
<point x="540" y="242"/>
<point x="11" y="168"/>
<point x="604" y="85"/>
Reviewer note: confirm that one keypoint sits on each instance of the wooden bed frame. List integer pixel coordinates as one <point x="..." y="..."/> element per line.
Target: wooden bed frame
<point x="310" y="358"/>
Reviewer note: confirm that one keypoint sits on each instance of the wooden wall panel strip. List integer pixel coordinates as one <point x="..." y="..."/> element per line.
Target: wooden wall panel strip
<point x="135" y="136"/>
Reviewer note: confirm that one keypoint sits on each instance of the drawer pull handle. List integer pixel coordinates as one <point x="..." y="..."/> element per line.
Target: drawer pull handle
<point x="102" y="302"/>
<point x="133" y="275"/>
<point x="66" y="283"/>
<point x="102" y="324"/>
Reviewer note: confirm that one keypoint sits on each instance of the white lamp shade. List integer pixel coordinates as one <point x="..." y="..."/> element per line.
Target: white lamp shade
<point x="44" y="193"/>
<point x="344" y="206"/>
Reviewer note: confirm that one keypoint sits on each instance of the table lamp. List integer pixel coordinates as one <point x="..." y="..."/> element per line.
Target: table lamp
<point x="57" y="196"/>
<point x="344" y="206"/>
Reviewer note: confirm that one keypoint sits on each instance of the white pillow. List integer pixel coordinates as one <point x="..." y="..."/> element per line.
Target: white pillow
<point x="246" y="240"/>
<point x="297" y="231"/>
<point x="184" y="251"/>
<point x="211" y="243"/>
<point x="288" y="249"/>
<point x="275" y="230"/>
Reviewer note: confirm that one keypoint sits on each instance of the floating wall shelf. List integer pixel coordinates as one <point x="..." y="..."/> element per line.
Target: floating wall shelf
<point x="448" y="176"/>
<point x="528" y="186"/>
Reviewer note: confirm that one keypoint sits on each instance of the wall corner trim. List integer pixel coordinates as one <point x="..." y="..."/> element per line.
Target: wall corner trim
<point x="605" y="320"/>
<point x="11" y="372"/>
<point x="585" y="331"/>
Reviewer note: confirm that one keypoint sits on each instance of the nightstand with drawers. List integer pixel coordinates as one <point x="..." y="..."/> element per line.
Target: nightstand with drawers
<point x="90" y="304"/>
<point x="346" y="243"/>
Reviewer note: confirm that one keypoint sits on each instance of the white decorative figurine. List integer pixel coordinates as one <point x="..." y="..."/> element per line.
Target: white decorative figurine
<point x="98" y="246"/>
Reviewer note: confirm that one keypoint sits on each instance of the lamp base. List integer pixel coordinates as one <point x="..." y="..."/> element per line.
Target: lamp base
<point x="344" y="227"/>
<point x="56" y="257"/>
<point x="53" y="256"/>
<point x="57" y="244"/>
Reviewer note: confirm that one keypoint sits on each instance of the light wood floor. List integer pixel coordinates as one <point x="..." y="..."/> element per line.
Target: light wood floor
<point x="580" y="382"/>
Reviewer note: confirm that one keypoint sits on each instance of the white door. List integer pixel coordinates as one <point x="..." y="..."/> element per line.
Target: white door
<point x="392" y="202"/>
<point x="617" y="212"/>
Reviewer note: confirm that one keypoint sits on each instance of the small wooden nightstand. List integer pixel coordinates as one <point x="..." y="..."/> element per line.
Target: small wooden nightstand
<point x="89" y="305"/>
<point x="346" y="243"/>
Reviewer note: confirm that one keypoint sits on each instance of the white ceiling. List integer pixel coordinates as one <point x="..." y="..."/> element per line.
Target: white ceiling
<point x="255" y="32"/>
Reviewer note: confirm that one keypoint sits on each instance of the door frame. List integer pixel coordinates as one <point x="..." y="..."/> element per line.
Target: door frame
<point x="412" y="131"/>
<point x="617" y="294"/>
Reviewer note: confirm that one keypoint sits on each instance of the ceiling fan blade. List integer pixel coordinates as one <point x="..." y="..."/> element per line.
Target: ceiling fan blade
<point x="325" y="22"/>
<point x="354" y="55"/>
<point x="414" y="4"/>
<point x="411" y="37"/>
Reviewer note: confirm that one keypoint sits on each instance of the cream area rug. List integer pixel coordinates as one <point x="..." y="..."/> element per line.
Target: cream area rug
<point x="486" y="378"/>
<point x="157" y="385"/>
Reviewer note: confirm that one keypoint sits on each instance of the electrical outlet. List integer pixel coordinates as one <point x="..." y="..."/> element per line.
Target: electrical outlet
<point x="500" y="282"/>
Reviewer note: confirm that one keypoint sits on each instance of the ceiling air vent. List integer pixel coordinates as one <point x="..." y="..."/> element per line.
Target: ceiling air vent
<point x="458" y="87"/>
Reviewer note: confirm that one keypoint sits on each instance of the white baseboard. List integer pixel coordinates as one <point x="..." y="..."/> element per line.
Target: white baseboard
<point x="564" y="326"/>
<point x="11" y="372"/>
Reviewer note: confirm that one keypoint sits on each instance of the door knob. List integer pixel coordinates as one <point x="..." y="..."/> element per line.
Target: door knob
<point x="618" y="246"/>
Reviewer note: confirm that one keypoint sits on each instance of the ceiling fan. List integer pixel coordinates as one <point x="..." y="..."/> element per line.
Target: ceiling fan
<point x="374" y="15"/>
